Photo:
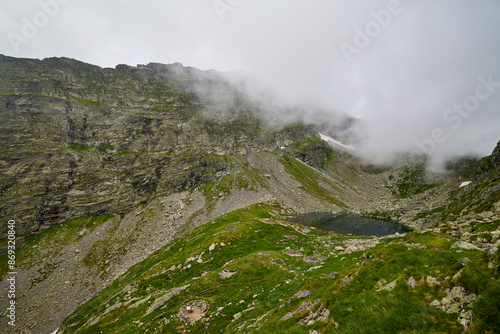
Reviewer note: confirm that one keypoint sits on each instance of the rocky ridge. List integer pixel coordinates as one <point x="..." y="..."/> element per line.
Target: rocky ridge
<point x="79" y="140"/>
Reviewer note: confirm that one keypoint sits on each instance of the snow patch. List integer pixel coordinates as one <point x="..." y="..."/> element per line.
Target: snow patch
<point x="332" y="141"/>
<point x="466" y="183"/>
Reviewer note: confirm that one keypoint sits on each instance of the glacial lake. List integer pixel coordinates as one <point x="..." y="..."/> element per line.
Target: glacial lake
<point x="348" y="224"/>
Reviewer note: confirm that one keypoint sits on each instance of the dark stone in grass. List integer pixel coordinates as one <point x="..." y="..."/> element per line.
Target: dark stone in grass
<point x="231" y="229"/>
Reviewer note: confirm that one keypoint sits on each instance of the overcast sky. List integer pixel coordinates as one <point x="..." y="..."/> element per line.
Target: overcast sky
<point x="398" y="65"/>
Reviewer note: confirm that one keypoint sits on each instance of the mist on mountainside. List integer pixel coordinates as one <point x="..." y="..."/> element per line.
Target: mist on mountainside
<point x="377" y="139"/>
<point x="420" y="76"/>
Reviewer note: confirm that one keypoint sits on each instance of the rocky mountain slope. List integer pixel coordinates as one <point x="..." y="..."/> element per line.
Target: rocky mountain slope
<point x="79" y="140"/>
<point x="250" y="270"/>
<point x="105" y="168"/>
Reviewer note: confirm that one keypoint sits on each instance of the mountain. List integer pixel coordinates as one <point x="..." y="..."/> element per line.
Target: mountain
<point x="79" y="140"/>
<point x="142" y="189"/>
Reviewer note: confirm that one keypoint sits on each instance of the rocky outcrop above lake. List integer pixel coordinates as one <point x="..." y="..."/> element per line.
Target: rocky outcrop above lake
<point x="80" y="140"/>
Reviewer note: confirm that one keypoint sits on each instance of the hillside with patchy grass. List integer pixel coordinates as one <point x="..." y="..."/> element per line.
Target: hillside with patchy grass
<point x="148" y="201"/>
<point x="251" y="271"/>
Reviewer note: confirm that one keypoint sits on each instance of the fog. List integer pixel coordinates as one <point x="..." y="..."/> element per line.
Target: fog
<point x="421" y="76"/>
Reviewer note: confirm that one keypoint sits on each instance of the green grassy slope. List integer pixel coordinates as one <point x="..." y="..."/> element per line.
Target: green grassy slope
<point x="254" y="241"/>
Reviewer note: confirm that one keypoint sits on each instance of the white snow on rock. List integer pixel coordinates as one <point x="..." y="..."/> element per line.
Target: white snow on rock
<point x="332" y="141"/>
<point x="463" y="184"/>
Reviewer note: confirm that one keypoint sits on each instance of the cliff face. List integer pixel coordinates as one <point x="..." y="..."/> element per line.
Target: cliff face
<point x="480" y="198"/>
<point x="495" y="157"/>
<point x="484" y="194"/>
<point x="79" y="140"/>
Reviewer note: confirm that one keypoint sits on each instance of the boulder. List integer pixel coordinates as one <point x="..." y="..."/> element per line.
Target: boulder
<point x="294" y="253"/>
<point x="435" y="303"/>
<point x="412" y="283"/>
<point x="389" y="286"/>
<point x="432" y="280"/>
<point x="226" y="273"/>
<point x="356" y="245"/>
<point x="465" y="245"/>
<point x="333" y="274"/>
<point x="302" y="294"/>
<point x="312" y="259"/>
<point x="193" y="311"/>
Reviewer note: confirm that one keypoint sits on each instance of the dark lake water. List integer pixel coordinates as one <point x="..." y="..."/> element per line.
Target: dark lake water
<point x="348" y="224"/>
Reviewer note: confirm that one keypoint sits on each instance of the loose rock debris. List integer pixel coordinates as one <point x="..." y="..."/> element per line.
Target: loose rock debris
<point x="193" y="311"/>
